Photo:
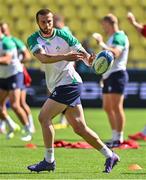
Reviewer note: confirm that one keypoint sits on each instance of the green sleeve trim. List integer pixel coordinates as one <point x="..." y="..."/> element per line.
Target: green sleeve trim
<point x="8" y="44"/>
<point x="119" y="39"/>
<point x="32" y="42"/>
<point x="19" y="44"/>
<point x="67" y="36"/>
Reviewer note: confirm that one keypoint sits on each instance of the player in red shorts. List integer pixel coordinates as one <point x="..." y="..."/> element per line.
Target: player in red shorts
<point x="141" y="28"/>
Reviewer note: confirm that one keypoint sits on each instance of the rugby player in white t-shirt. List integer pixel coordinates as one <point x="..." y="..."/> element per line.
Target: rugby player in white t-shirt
<point x="116" y="78"/>
<point x="56" y="49"/>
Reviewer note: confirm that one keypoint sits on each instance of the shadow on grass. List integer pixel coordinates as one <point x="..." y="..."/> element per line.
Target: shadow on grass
<point x="134" y="173"/>
<point x="20" y="146"/>
<point x="40" y="173"/>
<point x="3" y="173"/>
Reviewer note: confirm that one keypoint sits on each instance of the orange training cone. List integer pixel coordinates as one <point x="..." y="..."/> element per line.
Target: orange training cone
<point x="31" y="146"/>
<point x="134" y="167"/>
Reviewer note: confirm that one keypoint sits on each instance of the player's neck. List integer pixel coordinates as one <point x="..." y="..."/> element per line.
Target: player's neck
<point x="1" y="35"/>
<point x="116" y="28"/>
<point x="47" y="35"/>
<point x="113" y="30"/>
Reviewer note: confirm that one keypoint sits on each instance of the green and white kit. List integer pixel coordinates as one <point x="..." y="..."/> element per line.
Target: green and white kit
<point x="7" y="46"/>
<point x="61" y="42"/>
<point x="119" y="40"/>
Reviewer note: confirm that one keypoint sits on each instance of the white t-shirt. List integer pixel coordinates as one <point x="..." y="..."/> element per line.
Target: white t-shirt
<point x="7" y="46"/>
<point x="58" y="73"/>
<point x="120" y="41"/>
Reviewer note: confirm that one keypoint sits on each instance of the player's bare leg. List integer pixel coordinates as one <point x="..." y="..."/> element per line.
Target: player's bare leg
<point x="14" y="96"/>
<point x="117" y="103"/>
<point x="12" y="126"/>
<point x="118" y="120"/>
<point x="49" y="110"/>
<point x="26" y="108"/>
<point x="76" y="119"/>
<point x="107" y="106"/>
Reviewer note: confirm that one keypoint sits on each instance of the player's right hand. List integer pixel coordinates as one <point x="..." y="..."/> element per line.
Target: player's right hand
<point x="74" y="56"/>
<point x="131" y="17"/>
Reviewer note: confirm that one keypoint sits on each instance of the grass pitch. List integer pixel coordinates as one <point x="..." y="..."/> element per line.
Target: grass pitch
<point x="74" y="163"/>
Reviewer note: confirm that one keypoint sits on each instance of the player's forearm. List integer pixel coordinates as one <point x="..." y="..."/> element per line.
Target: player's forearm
<point x="115" y="51"/>
<point x="105" y="47"/>
<point x="5" y="60"/>
<point x="46" y="59"/>
<point x="138" y="26"/>
<point x="133" y="21"/>
<point x="26" y="56"/>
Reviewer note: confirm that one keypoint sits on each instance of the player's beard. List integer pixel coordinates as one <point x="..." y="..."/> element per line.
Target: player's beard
<point x="46" y="32"/>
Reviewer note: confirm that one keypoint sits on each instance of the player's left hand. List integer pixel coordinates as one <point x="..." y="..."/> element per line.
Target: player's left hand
<point x="91" y="58"/>
<point x="98" y="37"/>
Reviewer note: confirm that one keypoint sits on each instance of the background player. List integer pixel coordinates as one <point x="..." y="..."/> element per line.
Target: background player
<point x="141" y="29"/>
<point x="11" y="81"/>
<point x="116" y="78"/>
<point x="24" y="56"/>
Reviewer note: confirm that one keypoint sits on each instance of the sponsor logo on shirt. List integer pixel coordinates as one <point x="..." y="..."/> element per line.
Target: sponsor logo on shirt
<point x="54" y="94"/>
<point x="57" y="47"/>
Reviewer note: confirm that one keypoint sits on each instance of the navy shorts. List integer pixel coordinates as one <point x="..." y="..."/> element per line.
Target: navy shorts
<point x="116" y="82"/>
<point x="13" y="82"/>
<point x="67" y="94"/>
<point x="23" y="87"/>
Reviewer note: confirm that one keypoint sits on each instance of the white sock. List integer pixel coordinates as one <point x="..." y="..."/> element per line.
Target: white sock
<point x="119" y="136"/>
<point x="11" y="124"/>
<point x="27" y="128"/>
<point x="144" y="131"/>
<point x="114" y="132"/>
<point x="30" y="118"/>
<point x="49" y="155"/>
<point x="106" y="151"/>
<point x="2" y="125"/>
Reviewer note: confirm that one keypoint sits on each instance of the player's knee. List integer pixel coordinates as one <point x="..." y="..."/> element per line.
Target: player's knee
<point x="2" y="113"/>
<point x="22" y="105"/>
<point x="15" y="106"/>
<point x="79" y="129"/>
<point x="42" y="119"/>
<point x="106" y="108"/>
<point x="118" y="108"/>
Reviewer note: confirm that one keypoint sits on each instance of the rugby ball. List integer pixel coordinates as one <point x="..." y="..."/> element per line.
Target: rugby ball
<point x="103" y="61"/>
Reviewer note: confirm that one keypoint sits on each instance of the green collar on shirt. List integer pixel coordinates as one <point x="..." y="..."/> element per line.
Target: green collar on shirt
<point x="48" y="38"/>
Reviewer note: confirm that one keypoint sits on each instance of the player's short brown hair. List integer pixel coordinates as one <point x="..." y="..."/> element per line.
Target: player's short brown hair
<point x="112" y="19"/>
<point x="42" y="12"/>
